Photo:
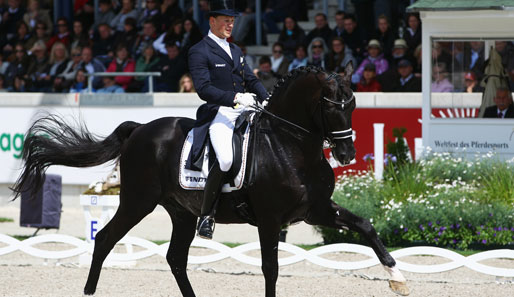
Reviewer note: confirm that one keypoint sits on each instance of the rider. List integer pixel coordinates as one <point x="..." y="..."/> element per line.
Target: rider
<point x="223" y="79"/>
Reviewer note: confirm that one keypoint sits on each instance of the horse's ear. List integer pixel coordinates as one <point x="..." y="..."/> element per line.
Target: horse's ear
<point x="348" y="71"/>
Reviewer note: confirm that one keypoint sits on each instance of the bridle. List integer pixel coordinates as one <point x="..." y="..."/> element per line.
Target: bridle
<point x="331" y="135"/>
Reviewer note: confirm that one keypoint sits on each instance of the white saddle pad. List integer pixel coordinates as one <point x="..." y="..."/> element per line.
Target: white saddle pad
<point x="195" y="180"/>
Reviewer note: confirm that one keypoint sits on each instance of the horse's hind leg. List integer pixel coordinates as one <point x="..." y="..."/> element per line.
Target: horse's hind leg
<point x="126" y="217"/>
<point x="332" y="215"/>
<point x="183" y="234"/>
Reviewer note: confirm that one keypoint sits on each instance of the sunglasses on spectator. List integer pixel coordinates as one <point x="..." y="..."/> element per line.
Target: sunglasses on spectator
<point x="61" y="25"/>
<point x="317" y="46"/>
<point x="40" y="28"/>
<point x="77" y="55"/>
<point x="19" y="51"/>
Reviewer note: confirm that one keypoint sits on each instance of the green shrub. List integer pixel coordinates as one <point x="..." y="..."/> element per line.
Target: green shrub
<point x="442" y="200"/>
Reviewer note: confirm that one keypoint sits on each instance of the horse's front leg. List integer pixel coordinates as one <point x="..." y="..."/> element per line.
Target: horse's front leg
<point x="330" y="214"/>
<point x="268" y="236"/>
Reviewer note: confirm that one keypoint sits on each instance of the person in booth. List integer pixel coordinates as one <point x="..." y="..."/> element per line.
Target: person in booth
<point x="503" y="107"/>
<point x="223" y="79"/>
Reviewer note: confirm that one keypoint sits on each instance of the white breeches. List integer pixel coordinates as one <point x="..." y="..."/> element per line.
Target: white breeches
<point x="221" y="131"/>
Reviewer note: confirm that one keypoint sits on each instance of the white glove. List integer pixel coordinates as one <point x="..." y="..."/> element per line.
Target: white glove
<point x="245" y="99"/>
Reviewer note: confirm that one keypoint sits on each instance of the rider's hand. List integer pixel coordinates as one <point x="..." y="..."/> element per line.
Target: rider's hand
<point x="245" y="99"/>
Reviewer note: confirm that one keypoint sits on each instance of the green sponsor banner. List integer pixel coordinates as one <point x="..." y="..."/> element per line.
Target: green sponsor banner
<point x="12" y="143"/>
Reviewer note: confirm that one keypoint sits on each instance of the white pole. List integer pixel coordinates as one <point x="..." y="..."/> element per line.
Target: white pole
<point x="379" y="150"/>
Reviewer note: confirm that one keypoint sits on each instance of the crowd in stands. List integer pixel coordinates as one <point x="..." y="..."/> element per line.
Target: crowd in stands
<point x="383" y="42"/>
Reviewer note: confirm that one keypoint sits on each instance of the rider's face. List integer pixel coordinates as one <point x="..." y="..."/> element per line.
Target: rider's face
<point x="222" y="25"/>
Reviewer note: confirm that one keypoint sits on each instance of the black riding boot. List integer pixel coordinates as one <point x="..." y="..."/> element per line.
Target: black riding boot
<point x="210" y="196"/>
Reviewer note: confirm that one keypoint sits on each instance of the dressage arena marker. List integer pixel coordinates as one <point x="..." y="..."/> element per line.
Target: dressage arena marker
<point x="238" y="253"/>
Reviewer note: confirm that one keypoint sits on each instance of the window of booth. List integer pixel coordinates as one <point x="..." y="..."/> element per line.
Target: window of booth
<point x="472" y="78"/>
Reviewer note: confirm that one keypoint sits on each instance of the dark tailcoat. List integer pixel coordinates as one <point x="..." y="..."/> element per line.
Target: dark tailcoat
<point x="492" y="112"/>
<point x="217" y="78"/>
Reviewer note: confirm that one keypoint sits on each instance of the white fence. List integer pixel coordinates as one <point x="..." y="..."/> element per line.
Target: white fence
<point x="147" y="249"/>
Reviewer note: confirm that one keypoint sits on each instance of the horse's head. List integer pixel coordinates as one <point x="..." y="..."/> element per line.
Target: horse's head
<point x="337" y="104"/>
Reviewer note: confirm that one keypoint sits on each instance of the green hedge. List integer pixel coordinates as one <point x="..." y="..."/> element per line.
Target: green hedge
<point x="443" y="200"/>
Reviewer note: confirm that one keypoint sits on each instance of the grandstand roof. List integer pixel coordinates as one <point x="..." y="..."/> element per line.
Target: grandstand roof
<point x="446" y="5"/>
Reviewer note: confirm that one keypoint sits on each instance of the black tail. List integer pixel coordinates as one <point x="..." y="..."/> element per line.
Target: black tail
<point x="50" y="141"/>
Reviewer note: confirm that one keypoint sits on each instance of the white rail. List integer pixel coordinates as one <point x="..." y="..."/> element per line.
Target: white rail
<point x="148" y="248"/>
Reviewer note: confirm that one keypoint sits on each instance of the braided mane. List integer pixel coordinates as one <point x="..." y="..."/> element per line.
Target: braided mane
<point x="284" y="82"/>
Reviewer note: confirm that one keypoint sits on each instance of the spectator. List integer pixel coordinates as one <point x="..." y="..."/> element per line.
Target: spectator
<point x="128" y="36"/>
<point x="471" y="83"/>
<point x="316" y="51"/>
<point x="191" y="35"/>
<point x="375" y="57"/>
<point x="38" y="71"/>
<point x="103" y="46"/>
<point x="11" y="17"/>
<point x="440" y="55"/>
<point x="35" y="14"/>
<point x="369" y="82"/>
<point x="105" y="14"/>
<point x="170" y="10"/>
<point x="440" y="82"/>
<point x="174" y="34"/>
<point x="265" y="74"/>
<point x="300" y="59"/>
<point x="110" y="86"/>
<point x="80" y="82"/>
<point x="244" y="24"/>
<point x="147" y="37"/>
<point x="19" y="84"/>
<point x="339" y="28"/>
<point x="58" y="60"/>
<point x="122" y="63"/>
<point x="2" y="84"/>
<point x="276" y="12"/>
<point x="291" y="36"/>
<point x="92" y="65"/>
<point x="384" y="34"/>
<point x="38" y="35"/>
<point x="127" y="11"/>
<point x="322" y="30"/>
<point x="339" y="56"/>
<point x="418" y="62"/>
<point x="172" y="67"/>
<point x="279" y="63"/>
<point x="186" y="84"/>
<point x="406" y="81"/>
<point x="503" y="108"/>
<point x="23" y="36"/>
<point x="84" y="12"/>
<point x="388" y="79"/>
<point x="474" y="58"/>
<point x="63" y="34"/>
<point x="68" y="74"/>
<point x="353" y="36"/>
<point x="79" y="36"/>
<point x="152" y="11"/>
<point x="147" y="62"/>
<point x="4" y="65"/>
<point x="19" y="65"/>
<point x="413" y="31"/>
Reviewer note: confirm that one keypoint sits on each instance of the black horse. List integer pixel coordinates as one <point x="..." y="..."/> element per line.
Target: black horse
<point x="292" y="180"/>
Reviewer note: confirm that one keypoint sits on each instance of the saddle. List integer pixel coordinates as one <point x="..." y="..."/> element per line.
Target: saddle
<point x="195" y="180"/>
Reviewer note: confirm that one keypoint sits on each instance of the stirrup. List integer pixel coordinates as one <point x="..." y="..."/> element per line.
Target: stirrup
<point x="206" y="226"/>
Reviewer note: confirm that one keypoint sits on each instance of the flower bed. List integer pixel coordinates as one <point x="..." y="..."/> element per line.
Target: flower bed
<point x="442" y="200"/>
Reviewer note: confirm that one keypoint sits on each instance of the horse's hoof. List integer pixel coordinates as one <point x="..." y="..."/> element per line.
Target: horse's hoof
<point x="399" y="288"/>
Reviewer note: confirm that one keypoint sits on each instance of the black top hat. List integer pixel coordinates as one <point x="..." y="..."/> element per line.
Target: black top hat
<point x="222" y="7"/>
